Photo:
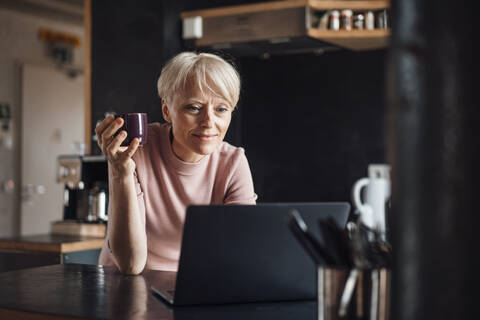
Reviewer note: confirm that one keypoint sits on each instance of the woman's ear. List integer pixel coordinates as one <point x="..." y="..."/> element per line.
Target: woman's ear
<point x="165" y="112"/>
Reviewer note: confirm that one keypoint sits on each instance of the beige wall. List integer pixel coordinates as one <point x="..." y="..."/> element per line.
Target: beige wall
<point x="19" y="43"/>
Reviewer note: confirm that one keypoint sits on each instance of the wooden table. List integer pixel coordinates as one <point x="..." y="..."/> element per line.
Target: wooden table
<point x="47" y="249"/>
<point x="96" y="292"/>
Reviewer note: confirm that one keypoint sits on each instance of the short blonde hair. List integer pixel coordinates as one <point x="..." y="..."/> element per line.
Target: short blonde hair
<point x="209" y="71"/>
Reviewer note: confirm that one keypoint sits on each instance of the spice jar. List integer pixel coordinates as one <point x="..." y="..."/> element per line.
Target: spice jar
<point x="382" y="19"/>
<point x="358" y="21"/>
<point x="346" y="18"/>
<point x="334" y="20"/>
<point x="323" y="21"/>
<point x="369" y="20"/>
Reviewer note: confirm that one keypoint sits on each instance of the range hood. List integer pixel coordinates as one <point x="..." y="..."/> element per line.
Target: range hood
<point x="258" y="29"/>
<point x="277" y="27"/>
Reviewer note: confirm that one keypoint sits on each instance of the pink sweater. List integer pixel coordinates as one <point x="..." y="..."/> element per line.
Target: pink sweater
<point x="166" y="186"/>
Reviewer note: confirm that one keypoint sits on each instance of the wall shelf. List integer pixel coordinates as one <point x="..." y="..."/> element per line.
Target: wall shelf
<point x="347" y="4"/>
<point x="357" y="40"/>
<point x="290" y="20"/>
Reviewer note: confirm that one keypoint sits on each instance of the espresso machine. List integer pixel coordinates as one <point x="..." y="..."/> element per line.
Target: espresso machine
<point x="85" y="195"/>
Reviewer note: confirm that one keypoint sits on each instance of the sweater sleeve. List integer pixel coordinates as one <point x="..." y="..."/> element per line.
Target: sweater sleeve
<point x="240" y="187"/>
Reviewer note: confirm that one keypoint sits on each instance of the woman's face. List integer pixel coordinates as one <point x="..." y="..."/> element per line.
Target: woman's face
<point x="199" y="122"/>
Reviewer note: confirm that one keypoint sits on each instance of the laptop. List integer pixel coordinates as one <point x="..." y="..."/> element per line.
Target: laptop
<point x="244" y="253"/>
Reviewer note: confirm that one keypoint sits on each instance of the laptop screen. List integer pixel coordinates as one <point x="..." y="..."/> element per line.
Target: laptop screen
<point x="246" y="253"/>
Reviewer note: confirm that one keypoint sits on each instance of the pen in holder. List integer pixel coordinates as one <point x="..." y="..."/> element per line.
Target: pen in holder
<point x="353" y="294"/>
<point x="353" y="279"/>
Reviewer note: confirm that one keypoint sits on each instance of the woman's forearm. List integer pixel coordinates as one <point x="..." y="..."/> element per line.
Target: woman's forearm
<point x="127" y="236"/>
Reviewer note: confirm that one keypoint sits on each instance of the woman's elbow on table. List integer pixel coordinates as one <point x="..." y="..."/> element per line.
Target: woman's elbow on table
<point x="131" y="267"/>
<point x="132" y="270"/>
<point x="132" y="262"/>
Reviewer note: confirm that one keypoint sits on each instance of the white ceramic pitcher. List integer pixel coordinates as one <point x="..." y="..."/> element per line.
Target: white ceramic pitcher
<point x="376" y="196"/>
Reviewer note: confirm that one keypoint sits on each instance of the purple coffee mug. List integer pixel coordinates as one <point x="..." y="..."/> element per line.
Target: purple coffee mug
<point x="135" y="124"/>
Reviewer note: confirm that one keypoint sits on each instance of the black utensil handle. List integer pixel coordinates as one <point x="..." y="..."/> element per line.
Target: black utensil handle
<point x="308" y="241"/>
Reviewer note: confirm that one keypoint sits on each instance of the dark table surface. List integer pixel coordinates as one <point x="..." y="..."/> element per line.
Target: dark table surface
<point x="97" y="292"/>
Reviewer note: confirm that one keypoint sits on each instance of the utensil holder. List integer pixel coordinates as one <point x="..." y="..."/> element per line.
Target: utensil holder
<point x="369" y="299"/>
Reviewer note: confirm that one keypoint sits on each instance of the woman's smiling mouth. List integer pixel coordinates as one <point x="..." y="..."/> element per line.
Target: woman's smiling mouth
<point x="206" y="137"/>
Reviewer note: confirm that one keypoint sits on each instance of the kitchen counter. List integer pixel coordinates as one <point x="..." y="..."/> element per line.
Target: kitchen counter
<point x="97" y="292"/>
<point x="51" y="243"/>
<point x="47" y="249"/>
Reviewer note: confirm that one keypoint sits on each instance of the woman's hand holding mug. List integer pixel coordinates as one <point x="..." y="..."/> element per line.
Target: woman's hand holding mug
<point x="109" y="141"/>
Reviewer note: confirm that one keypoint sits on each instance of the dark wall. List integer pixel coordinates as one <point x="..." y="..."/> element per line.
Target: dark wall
<point x="127" y="56"/>
<point x="310" y="124"/>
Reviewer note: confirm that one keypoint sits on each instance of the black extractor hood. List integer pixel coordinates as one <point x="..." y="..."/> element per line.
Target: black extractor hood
<point x="281" y="27"/>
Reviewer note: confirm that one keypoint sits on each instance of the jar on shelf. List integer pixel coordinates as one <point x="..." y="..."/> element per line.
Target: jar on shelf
<point x="323" y="21"/>
<point x="382" y="19"/>
<point x="347" y="19"/>
<point x="334" y="20"/>
<point x="358" y="21"/>
<point x="369" y="20"/>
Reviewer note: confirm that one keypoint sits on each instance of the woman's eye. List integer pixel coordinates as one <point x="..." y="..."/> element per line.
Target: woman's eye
<point x="193" y="108"/>
<point x="222" y="109"/>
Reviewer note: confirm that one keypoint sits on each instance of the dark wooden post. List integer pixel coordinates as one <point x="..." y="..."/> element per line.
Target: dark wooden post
<point x="433" y="146"/>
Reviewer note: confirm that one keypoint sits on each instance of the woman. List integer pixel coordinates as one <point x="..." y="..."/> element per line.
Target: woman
<point x="184" y="162"/>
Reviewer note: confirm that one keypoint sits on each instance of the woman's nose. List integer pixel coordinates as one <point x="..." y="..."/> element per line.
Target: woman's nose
<point x="207" y="119"/>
